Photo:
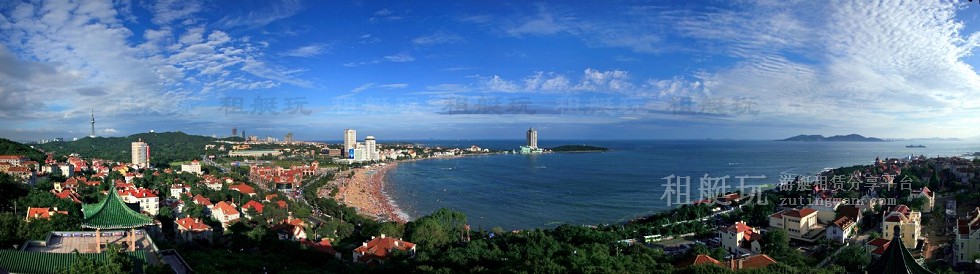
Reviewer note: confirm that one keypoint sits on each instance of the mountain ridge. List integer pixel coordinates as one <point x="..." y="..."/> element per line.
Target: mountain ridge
<point x="836" y="138"/>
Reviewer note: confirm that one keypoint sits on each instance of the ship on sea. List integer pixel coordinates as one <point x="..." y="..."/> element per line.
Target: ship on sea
<point x="915" y="146"/>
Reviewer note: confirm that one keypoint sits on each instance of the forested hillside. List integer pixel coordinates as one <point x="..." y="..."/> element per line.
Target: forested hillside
<point x="165" y="147"/>
<point x="8" y="147"/>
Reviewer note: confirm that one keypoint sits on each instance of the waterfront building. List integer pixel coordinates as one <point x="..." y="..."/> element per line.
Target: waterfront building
<point x="350" y="141"/>
<point x="531" y="146"/>
<point x="908" y="220"/>
<point x="141" y="154"/>
<point x="532" y="138"/>
<point x="371" y="148"/>
<point x="800" y="224"/>
<point x="740" y="238"/>
<point x="967" y="245"/>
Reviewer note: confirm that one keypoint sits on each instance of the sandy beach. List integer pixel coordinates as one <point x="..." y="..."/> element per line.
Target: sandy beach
<point x="365" y="191"/>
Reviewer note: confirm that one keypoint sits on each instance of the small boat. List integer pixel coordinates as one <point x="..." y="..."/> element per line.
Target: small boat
<point x="915" y="146"/>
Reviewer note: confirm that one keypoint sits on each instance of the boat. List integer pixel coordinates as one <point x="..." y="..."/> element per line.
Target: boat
<point x="915" y="146"/>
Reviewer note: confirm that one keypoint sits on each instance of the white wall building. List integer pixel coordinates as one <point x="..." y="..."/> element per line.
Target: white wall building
<point x="141" y="153"/>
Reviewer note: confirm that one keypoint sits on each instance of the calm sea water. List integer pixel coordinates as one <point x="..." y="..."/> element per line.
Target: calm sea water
<point x="531" y="191"/>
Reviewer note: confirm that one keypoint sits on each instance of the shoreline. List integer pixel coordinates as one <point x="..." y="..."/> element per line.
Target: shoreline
<point x="365" y="191"/>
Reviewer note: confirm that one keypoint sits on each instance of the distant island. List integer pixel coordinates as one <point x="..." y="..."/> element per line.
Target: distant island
<point x="578" y="148"/>
<point x="835" y="138"/>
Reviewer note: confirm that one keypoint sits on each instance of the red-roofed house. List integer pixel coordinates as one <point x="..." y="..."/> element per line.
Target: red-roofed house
<point x="67" y="194"/>
<point x="741" y="239"/>
<point x="244" y="189"/>
<point x="928" y="195"/>
<point x="21" y="172"/>
<point x="967" y="243"/>
<point x="149" y="202"/>
<point x="14" y="160"/>
<point x="908" y="221"/>
<point x="190" y="229"/>
<point x="177" y="189"/>
<point x="700" y="259"/>
<point x="379" y="247"/>
<point x="270" y="197"/>
<point x="877" y="246"/>
<point x="42" y="213"/>
<point x="252" y="205"/>
<point x="226" y="213"/>
<point x="323" y="246"/>
<point x="751" y="262"/>
<point x="841" y="229"/>
<point x="798" y="223"/>
<point x="201" y="200"/>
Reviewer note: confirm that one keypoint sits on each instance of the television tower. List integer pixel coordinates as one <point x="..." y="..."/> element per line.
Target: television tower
<point x="92" y="135"/>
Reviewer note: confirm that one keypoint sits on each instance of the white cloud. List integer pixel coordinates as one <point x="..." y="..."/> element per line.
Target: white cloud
<point x="631" y="31"/>
<point x="395" y="58"/>
<point x="308" y="51"/>
<point x="438" y="38"/>
<point x="400" y="58"/>
<point x="276" y="11"/>
<point x="496" y="83"/>
<point x="168" y="11"/>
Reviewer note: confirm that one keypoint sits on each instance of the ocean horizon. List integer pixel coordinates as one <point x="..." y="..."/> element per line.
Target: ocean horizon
<point x="546" y="190"/>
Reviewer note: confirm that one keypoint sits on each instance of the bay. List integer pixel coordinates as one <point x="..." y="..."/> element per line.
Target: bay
<point x="546" y="190"/>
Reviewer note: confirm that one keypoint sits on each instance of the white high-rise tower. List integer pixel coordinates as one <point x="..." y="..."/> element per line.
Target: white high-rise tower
<point x="371" y="148"/>
<point x="532" y="138"/>
<point x="141" y="153"/>
<point x="350" y="141"/>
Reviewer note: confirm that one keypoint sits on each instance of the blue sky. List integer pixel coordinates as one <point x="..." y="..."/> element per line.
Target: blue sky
<point x="471" y="69"/>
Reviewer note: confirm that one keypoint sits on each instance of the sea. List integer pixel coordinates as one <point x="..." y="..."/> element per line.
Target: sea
<point x="515" y="191"/>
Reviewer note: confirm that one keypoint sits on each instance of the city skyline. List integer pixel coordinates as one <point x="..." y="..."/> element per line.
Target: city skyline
<point x="450" y="70"/>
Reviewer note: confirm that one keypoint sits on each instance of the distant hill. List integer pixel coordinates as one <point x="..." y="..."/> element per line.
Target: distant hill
<point x="165" y="147"/>
<point x="8" y="147"/>
<point x="835" y="138"/>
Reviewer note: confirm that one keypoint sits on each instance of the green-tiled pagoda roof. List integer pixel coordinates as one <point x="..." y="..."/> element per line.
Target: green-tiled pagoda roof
<point x="14" y="261"/>
<point x="896" y="260"/>
<point x="112" y="213"/>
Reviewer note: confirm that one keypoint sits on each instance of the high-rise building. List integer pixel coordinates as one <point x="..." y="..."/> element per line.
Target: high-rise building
<point x="532" y="138"/>
<point x="234" y="131"/>
<point x="141" y="153"/>
<point x="371" y="149"/>
<point x="288" y="138"/>
<point x="350" y="141"/>
<point x="92" y="135"/>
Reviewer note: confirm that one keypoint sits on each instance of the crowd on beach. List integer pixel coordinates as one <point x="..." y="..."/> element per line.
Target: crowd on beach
<point x="365" y="191"/>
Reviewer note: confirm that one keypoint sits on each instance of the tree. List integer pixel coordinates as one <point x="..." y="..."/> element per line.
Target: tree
<point x="429" y="233"/>
<point x="775" y="243"/>
<point x="853" y="258"/>
<point x="9" y="230"/>
<point x="918" y="203"/>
